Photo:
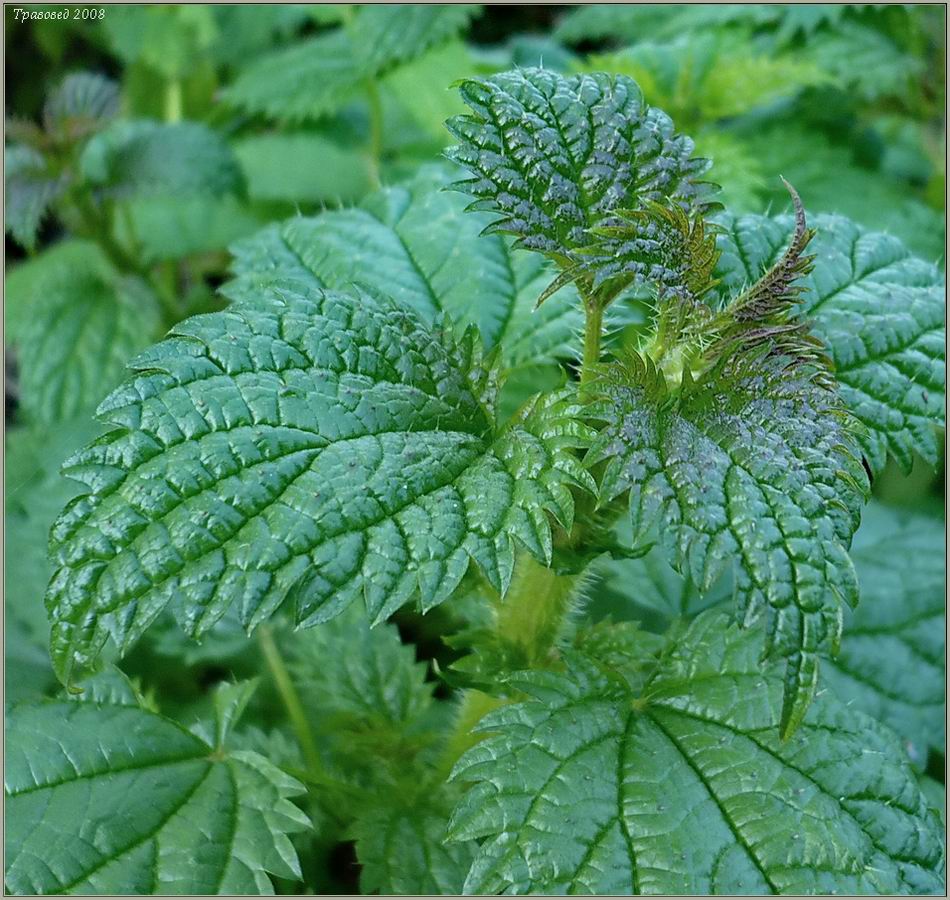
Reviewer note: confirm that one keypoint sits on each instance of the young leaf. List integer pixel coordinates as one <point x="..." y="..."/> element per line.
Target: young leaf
<point x="415" y="243"/>
<point x="688" y="788"/>
<point x="554" y="157"/>
<point x="82" y="104"/>
<point x="144" y="157"/>
<point x="78" y="321"/>
<point x="754" y="469"/>
<point x="401" y="849"/>
<point x="314" y="445"/>
<point x="135" y="804"/>
<point x="377" y="723"/>
<point x="891" y="663"/>
<point x="879" y="310"/>
<point x="30" y="191"/>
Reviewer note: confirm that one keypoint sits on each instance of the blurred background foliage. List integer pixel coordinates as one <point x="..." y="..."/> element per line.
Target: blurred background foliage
<point x="141" y="144"/>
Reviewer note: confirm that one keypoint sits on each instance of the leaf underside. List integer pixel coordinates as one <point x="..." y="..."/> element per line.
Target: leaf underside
<point x="310" y="445"/>
<point x="688" y="789"/>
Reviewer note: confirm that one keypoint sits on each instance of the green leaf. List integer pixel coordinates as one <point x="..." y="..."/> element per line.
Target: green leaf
<point x="313" y="445"/>
<point x="865" y="60"/>
<point x="828" y="177"/>
<point x="750" y="468"/>
<point x="135" y="804"/>
<point x="554" y="156"/>
<point x="31" y="188"/>
<point x="423" y="86"/>
<point x="313" y="78"/>
<point x="891" y="663"/>
<point x="415" y="242"/>
<point x="305" y="81"/>
<point x="650" y="586"/>
<point x="387" y="35"/>
<point x="358" y="679"/>
<point x="171" y="227"/>
<point x="688" y="788"/>
<point x="879" y="310"/>
<point x="82" y="103"/>
<point x="401" y="849"/>
<point x="302" y="167"/>
<point x="377" y="725"/>
<point x="708" y="76"/>
<point x="35" y="494"/>
<point x="144" y="157"/>
<point x="79" y="321"/>
<point x="169" y="39"/>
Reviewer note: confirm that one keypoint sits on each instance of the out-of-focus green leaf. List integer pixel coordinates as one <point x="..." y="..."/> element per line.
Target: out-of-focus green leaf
<point x="78" y="321"/>
<point x="154" y="158"/>
<point x="302" y="167"/>
<point x="30" y="189"/>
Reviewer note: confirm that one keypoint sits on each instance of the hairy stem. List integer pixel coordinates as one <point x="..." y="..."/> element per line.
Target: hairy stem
<point x="535" y="611"/>
<point x="291" y="700"/>
<point x="592" y="334"/>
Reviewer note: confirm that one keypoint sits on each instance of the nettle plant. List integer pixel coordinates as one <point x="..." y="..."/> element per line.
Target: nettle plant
<point x="360" y="430"/>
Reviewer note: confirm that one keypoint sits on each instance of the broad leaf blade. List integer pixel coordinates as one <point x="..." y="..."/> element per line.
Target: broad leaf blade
<point x="688" y="788"/>
<point x="879" y="310"/>
<point x="314" y="445"/>
<point x="169" y="815"/>
<point x="415" y="243"/>
<point x="892" y="659"/>
<point x="303" y="82"/>
<point x="401" y="849"/>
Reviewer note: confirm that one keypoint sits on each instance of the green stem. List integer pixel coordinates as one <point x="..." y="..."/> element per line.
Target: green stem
<point x="375" y="131"/>
<point x="99" y="229"/>
<point x="592" y="335"/>
<point x="291" y="700"/>
<point x="173" y="102"/>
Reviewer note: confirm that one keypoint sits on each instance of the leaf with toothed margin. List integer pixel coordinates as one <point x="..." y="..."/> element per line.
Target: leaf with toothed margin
<point x="133" y="803"/>
<point x="751" y="467"/>
<point x="879" y="310"/>
<point x="590" y="786"/>
<point x="305" y="445"/>
<point x="553" y="157"/>
<point x="414" y="242"/>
